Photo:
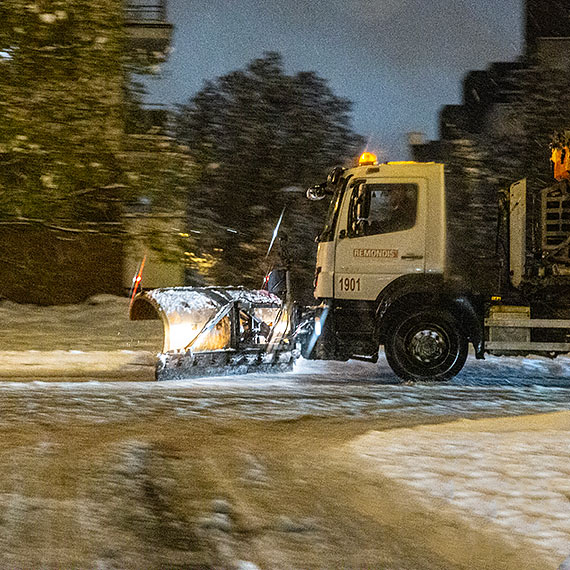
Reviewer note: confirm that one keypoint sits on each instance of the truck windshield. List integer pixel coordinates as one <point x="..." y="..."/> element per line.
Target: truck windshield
<point x="328" y="232"/>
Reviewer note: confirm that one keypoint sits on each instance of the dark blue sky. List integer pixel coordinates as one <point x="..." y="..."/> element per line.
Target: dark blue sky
<point x="398" y="61"/>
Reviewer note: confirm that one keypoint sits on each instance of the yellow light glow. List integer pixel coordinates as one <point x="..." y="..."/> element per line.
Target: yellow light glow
<point x="367" y="158"/>
<point x="561" y="162"/>
<point x="280" y="328"/>
<point x="181" y="334"/>
<point x="183" y="327"/>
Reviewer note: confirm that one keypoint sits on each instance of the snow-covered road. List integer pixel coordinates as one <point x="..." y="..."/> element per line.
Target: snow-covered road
<point x="77" y="389"/>
<point x="491" y="388"/>
<point x="505" y="481"/>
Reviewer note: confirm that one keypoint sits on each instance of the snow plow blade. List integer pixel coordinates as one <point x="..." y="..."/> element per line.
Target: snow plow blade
<point x="213" y="331"/>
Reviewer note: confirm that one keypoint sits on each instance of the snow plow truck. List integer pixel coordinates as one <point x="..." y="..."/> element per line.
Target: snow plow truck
<point x="382" y="279"/>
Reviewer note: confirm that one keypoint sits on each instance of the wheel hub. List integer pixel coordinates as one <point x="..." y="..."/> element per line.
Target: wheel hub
<point x="427" y="345"/>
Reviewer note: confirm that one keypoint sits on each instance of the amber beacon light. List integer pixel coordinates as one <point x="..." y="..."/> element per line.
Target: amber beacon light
<point x="367" y="158"/>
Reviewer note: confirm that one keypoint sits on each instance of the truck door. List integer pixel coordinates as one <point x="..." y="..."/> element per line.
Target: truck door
<point x="381" y="236"/>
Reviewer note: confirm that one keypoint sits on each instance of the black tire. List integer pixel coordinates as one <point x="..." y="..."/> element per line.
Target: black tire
<point x="427" y="346"/>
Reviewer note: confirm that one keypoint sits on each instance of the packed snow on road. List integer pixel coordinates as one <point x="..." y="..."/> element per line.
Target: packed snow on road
<point x="330" y="465"/>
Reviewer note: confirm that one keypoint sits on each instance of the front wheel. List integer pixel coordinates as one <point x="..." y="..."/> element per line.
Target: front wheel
<point x="427" y="345"/>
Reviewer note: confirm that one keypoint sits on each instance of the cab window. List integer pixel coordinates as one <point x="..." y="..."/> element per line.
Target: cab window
<point x="382" y="208"/>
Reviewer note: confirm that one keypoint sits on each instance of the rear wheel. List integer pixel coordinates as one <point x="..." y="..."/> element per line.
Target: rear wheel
<point x="426" y="345"/>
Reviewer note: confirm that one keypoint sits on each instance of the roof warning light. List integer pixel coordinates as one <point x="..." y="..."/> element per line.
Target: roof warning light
<point x="367" y="158"/>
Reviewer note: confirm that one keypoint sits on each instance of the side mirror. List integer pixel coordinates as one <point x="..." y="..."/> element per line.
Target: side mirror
<point x="317" y="192"/>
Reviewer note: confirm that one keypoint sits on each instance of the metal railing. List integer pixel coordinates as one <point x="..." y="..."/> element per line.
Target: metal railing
<point x="145" y="11"/>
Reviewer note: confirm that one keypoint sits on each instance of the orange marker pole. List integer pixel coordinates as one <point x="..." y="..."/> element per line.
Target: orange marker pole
<point x="137" y="280"/>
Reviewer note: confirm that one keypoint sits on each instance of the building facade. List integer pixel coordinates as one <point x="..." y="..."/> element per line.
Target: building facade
<point x="500" y="133"/>
<point x="67" y="168"/>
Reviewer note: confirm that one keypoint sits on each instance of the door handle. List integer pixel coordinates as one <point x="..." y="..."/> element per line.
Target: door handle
<point x="412" y="256"/>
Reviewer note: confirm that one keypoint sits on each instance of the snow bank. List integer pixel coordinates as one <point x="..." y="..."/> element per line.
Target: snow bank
<point x="59" y="364"/>
<point x="513" y="473"/>
<point x="101" y="323"/>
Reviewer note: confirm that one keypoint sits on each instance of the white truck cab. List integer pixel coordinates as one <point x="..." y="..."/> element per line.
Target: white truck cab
<point x="380" y="272"/>
<point x="385" y="221"/>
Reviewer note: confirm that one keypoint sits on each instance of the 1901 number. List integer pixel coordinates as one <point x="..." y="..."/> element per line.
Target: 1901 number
<point x="349" y="283"/>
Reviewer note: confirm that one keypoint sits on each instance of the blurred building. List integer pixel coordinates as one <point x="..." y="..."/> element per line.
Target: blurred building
<point x="545" y="19"/>
<point x="147" y="26"/>
<point x="494" y="95"/>
<point x="154" y="231"/>
<point x="77" y="150"/>
<point x="501" y="132"/>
